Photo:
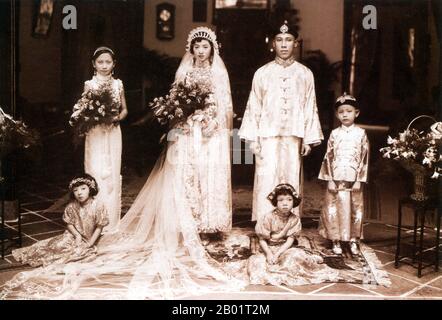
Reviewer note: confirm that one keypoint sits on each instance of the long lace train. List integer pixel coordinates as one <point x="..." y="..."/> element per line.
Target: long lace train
<point x="156" y="254"/>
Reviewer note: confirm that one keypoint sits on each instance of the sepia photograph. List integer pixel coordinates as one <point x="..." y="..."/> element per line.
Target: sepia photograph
<point x="235" y="150"/>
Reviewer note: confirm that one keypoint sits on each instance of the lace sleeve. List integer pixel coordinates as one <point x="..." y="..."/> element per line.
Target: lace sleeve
<point x="223" y="96"/>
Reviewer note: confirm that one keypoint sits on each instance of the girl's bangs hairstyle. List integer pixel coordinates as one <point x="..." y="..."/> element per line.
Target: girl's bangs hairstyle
<point x="284" y="189"/>
<point x="85" y="179"/>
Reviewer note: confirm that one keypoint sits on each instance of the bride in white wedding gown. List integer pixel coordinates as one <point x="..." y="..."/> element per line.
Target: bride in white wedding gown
<point x="157" y="252"/>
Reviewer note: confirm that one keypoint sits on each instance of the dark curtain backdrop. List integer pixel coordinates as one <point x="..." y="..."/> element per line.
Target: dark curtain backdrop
<point x="390" y="66"/>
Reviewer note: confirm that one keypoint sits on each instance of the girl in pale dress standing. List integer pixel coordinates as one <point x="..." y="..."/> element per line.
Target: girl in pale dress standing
<point x="103" y="145"/>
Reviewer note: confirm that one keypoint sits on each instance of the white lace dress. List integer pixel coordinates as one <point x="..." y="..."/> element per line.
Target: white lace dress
<point x="212" y="177"/>
<point x="102" y="157"/>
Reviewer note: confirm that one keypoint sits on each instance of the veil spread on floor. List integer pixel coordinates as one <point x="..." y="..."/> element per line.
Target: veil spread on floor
<point x="157" y="253"/>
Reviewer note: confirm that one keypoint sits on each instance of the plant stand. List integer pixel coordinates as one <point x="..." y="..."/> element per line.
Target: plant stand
<point x="419" y="186"/>
<point x="420" y="208"/>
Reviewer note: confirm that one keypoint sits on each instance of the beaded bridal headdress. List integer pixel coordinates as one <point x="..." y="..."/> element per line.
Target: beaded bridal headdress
<point x="205" y="33"/>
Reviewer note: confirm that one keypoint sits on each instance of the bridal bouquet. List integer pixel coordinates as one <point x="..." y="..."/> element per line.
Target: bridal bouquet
<point x="15" y="135"/>
<point x="417" y="150"/>
<point x="95" y="107"/>
<point x="185" y="101"/>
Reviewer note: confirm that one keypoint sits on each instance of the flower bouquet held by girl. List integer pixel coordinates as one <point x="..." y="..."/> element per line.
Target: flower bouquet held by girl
<point x="95" y="107"/>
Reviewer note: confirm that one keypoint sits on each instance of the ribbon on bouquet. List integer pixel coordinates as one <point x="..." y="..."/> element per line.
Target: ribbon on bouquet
<point x="107" y="163"/>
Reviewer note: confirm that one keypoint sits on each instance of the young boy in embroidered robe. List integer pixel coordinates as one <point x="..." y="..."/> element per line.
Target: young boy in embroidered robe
<point x="345" y="167"/>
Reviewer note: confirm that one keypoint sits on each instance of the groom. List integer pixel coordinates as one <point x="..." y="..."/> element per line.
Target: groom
<point x="281" y="119"/>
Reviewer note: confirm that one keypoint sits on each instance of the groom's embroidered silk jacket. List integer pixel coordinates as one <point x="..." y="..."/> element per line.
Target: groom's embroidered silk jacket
<point x="282" y="102"/>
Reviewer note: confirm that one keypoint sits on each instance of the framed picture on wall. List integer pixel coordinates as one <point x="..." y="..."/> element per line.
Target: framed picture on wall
<point x="165" y="21"/>
<point x="44" y="10"/>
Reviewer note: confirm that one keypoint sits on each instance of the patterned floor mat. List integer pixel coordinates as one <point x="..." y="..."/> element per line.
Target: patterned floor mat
<point x="235" y="248"/>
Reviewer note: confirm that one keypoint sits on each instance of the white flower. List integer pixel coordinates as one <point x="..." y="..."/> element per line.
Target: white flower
<point x="431" y="153"/>
<point x="198" y="117"/>
<point x="407" y="155"/>
<point x="426" y="161"/>
<point x="390" y="140"/>
<point x="402" y="136"/>
<point x="159" y="111"/>
<point x="76" y="114"/>
<point x="436" y="130"/>
<point x="179" y="112"/>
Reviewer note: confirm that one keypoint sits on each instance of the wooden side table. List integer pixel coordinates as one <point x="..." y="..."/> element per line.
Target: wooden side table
<point x="420" y="208"/>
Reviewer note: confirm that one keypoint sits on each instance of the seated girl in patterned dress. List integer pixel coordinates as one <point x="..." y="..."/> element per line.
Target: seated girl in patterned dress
<point x="85" y="218"/>
<point x="279" y="262"/>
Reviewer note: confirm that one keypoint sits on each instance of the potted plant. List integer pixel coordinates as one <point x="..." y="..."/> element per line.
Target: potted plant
<point x="419" y="152"/>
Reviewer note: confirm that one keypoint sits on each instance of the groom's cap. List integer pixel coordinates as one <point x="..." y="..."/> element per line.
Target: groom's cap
<point x="283" y="26"/>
